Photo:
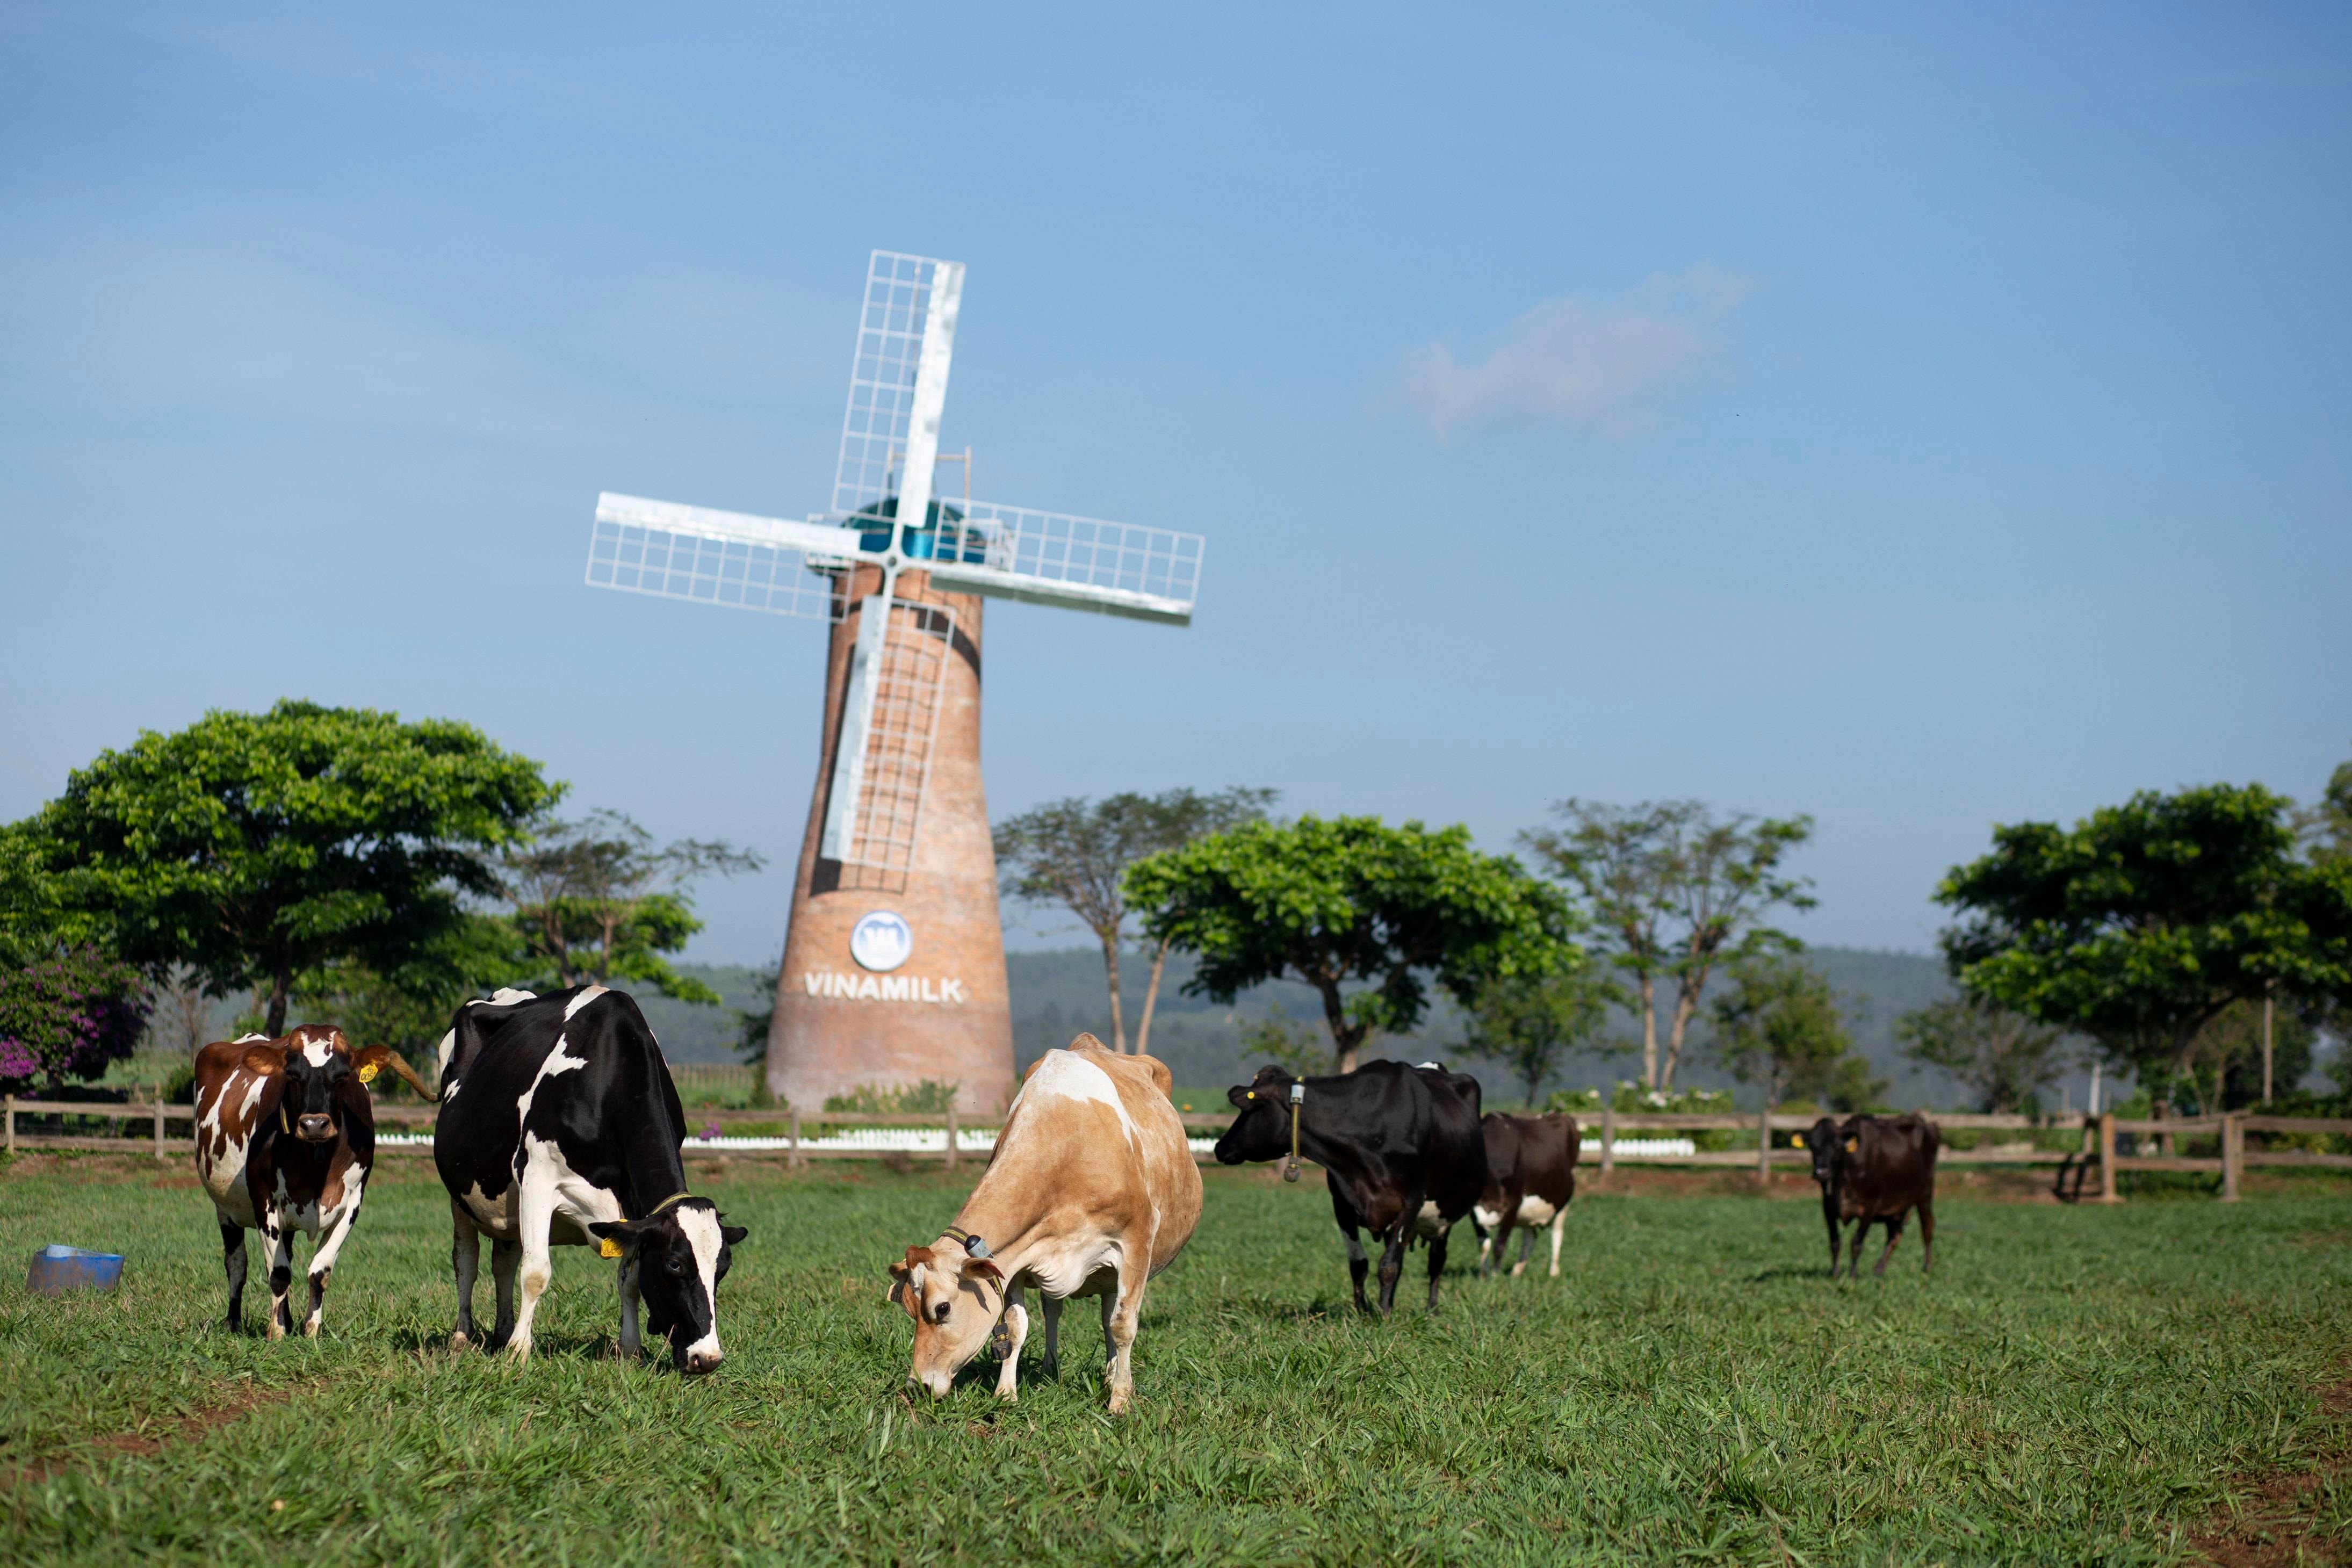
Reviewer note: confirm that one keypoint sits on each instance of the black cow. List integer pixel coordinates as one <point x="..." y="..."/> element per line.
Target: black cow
<point x="1530" y="1177"/>
<point x="1877" y="1169"/>
<point x="1400" y="1147"/>
<point x="559" y="1126"/>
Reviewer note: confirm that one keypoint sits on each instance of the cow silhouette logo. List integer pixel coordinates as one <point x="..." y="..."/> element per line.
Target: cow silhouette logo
<point x="882" y="941"/>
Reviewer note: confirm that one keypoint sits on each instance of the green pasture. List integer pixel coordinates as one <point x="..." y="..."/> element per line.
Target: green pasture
<point x="2074" y="1385"/>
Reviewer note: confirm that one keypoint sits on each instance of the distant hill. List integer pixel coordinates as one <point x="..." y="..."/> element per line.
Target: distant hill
<point x="1058" y="994"/>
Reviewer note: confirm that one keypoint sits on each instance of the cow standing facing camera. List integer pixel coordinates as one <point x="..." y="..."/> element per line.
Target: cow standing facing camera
<point x="285" y="1141"/>
<point x="559" y="1126"/>
<point x="1875" y="1170"/>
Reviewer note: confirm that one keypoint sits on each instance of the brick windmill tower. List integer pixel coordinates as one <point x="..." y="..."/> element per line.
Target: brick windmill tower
<point x="894" y="962"/>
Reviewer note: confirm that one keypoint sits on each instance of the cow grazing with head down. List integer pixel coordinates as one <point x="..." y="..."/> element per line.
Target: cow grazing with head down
<point x="559" y="1128"/>
<point x="1875" y="1170"/>
<point x="1530" y="1177"/>
<point x="285" y="1140"/>
<point x="1092" y="1190"/>
<point x="1400" y="1147"/>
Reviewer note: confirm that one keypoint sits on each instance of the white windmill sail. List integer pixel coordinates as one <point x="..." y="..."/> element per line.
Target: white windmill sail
<point x="884" y="513"/>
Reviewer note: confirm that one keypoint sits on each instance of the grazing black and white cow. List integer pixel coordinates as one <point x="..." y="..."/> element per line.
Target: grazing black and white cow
<point x="1400" y="1148"/>
<point x="559" y="1126"/>
<point x="285" y="1141"/>
<point x="1530" y="1177"/>
<point x="1877" y="1169"/>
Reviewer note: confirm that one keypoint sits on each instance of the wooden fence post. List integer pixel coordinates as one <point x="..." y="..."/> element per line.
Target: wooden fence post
<point x="2233" y="1153"/>
<point x="2107" y="1157"/>
<point x="1764" y="1146"/>
<point x="159" y="1123"/>
<point x="1608" y="1136"/>
<point x="951" y="1136"/>
<point x="12" y="1124"/>
<point x="796" y="1160"/>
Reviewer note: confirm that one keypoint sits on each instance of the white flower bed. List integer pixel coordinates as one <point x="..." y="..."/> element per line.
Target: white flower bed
<point x="1637" y="1148"/>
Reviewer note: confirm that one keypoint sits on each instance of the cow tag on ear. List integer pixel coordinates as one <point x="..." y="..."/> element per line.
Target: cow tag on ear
<point x="1796" y="1140"/>
<point x="608" y="1248"/>
<point x="1853" y="1145"/>
<point x="264" y="1062"/>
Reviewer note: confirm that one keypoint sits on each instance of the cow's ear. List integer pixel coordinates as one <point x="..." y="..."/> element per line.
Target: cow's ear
<point x="1241" y="1095"/>
<point x="732" y="1235"/>
<point x="367" y="1063"/>
<point x="615" y="1238"/>
<point x="984" y="1269"/>
<point x="264" y="1062"/>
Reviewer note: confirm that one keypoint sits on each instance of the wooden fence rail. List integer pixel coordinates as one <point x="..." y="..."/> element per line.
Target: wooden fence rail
<point x="799" y="1130"/>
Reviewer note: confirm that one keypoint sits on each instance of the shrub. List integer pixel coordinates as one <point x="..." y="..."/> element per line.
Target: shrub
<point x="931" y="1097"/>
<point x="66" y="1017"/>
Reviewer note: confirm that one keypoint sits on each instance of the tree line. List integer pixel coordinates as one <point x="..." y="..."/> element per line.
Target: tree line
<point x="341" y="861"/>
<point x="2180" y="937"/>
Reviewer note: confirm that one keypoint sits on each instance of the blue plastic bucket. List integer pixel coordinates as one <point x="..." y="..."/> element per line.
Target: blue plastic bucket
<point x="56" y="1270"/>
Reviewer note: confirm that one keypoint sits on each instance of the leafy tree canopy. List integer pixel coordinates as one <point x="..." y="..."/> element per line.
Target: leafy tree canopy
<point x="1351" y="901"/>
<point x="1076" y="853"/>
<point x="256" y="846"/>
<point x="1778" y="1025"/>
<point x="596" y="900"/>
<point x="1530" y="1023"/>
<point x="2006" y="1057"/>
<point x="2142" y="923"/>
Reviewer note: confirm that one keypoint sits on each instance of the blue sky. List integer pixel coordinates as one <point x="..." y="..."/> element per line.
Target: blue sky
<point x="1918" y="419"/>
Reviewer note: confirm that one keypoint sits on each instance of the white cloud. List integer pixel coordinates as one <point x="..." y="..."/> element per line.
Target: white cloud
<point x="1598" y="367"/>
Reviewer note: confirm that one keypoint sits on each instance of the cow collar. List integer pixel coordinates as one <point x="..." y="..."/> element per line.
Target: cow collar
<point x="973" y="1247"/>
<point x="1297" y="1098"/>
<point x="675" y="1197"/>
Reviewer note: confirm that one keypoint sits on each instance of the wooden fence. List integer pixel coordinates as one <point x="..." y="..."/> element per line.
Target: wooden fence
<point x="797" y="1137"/>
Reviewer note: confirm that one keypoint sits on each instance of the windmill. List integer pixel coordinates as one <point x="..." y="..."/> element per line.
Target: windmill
<point x="894" y="961"/>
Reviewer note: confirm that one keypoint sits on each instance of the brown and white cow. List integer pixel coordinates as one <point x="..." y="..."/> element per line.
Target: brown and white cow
<point x="1091" y="1191"/>
<point x="1530" y="1177"/>
<point x="285" y="1140"/>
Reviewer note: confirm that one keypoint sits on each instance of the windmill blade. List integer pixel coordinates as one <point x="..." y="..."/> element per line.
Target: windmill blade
<point x="709" y="557"/>
<point x="897" y="383"/>
<point x="1071" y="563"/>
<point x="889" y="726"/>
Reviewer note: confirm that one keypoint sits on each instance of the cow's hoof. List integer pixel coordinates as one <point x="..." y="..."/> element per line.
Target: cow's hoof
<point x="518" y="1353"/>
<point x="1119" y="1401"/>
<point x="460" y="1340"/>
<point x="1517" y="1270"/>
<point x="1011" y="1396"/>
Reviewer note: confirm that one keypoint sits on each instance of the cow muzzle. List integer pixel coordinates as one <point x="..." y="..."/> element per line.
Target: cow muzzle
<point x="313" y="1129"/>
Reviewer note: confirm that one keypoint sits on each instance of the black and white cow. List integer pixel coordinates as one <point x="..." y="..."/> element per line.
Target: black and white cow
<point x="1400" y="1147"/>
<point x="559" y="1126"/>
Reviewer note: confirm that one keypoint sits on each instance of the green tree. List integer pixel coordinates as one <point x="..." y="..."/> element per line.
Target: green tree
<point x="256" y="847"/>
<point x="1076" y="853"/>
<point x="1351" y="901"/>
<point x="1780" y="1027"/>
<point x="408" y="1007"/>
<point x="595" y="900"/>
<point x="1530" y="1023"/>
<point x="2006" y="1057"/>
<point x="2144" y="922"/>
<point x="1677" y="891"/>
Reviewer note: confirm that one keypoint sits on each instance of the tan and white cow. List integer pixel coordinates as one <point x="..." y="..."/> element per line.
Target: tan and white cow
<point x="1091" y="1191"/>
<point x="285" y="1140"/>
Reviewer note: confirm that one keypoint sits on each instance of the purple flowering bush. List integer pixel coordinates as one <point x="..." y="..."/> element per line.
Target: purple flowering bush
<point x="66" y="1017"/>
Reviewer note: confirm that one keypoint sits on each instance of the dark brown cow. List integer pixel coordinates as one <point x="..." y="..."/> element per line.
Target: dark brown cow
<point x="1876" y="1170"/>
<point x="285" y="1139"/>
<point x="1530" y="1177"/>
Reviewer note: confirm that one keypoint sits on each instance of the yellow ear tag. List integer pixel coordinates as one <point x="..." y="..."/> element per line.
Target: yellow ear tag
<point x="1853" y="1145"/>
<point x="367" y="1073"/>
<point x="1251" y="1095"/>
<point x="608" y="1248"/>
<point x="1796" y="1140"/>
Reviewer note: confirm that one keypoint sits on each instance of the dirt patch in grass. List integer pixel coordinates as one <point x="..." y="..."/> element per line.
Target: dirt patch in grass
<point x="2277" y="1525"/>
<point x="152" y="1441"/>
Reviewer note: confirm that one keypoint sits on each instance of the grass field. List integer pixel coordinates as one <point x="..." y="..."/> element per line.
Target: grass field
<point x="2074" y="1385"/>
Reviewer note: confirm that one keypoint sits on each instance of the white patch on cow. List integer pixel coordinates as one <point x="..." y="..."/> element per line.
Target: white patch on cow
<point x="253" y="1095"/>
<point x="1066" y="1075"/>
<point x="701" y="1227"/>
<point x="494" y="1215"/>
<point x="581" y="1000"/>
<point x="249" y="1038"/>
<point x="556" y="1062"/>
<point x="441" y="1054"/>
<point x="1428" y="1222"/>
<point x="507" y="996"/>
<point x="1488" y="1219"/>
<point x="1431" y="1066"/>
<point x="316" y="1050"/>
<point x="1534" y="1210"/>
